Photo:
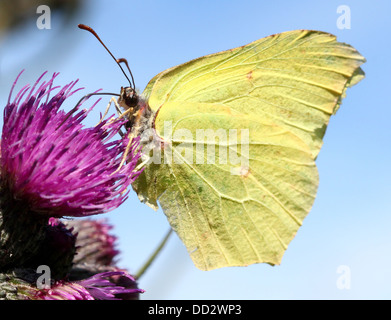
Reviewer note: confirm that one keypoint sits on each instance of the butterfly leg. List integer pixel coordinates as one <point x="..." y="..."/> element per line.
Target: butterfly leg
<point x="119" y="112"/>
<point x="107" y="109"/>
<point x="120" y="115"/>
<point x="126" y="152"/>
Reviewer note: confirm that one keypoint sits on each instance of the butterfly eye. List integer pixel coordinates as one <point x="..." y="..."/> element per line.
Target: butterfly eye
<point x="131" y="98"/>
<point x="128" y="98"/>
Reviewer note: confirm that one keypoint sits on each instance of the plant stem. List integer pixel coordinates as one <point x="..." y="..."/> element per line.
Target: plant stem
<point x="153" y="256"/>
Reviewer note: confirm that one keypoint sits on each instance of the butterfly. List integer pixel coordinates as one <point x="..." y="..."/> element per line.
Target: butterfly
<point x="230" y="142"/>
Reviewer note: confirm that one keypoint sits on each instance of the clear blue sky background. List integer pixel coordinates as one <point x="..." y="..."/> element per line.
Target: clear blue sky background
<point x="349" y="224"/>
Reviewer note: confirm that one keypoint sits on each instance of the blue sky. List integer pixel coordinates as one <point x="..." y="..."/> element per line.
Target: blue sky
<point x="348" y="226"/>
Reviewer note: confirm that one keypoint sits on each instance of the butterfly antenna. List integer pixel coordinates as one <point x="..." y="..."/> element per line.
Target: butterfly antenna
<point x="87" y="28"/>
<point x="130" y="72"/>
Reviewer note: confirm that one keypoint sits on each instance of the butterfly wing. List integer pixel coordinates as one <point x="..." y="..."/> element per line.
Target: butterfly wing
<point x="281" y="89"/>
<point x="296" y="79"/>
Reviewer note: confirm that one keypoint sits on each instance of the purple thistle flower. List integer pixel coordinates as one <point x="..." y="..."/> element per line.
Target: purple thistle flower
<point x="55" y="165"/>
<point x="57" y="250"/>
<point x="101" y="286"/>
<point x="94" y="242"/>
<point x="51" y="166"/>
<point x="63" y="290"/>
<point x="104" y="286"/>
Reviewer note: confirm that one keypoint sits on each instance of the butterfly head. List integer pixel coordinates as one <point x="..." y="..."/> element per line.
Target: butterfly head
<point x="128" y="98"/>
<point x="138" y="113"/>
